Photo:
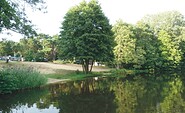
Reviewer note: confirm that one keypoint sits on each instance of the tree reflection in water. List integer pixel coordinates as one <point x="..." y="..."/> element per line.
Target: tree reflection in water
<point x="85" y="96"/>
<point x="173" y="101"/>
<point x="105" y="95"/>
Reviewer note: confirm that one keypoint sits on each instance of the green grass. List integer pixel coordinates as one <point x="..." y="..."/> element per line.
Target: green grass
<point x="16" y="78"/>
<point x="78" y="75"/>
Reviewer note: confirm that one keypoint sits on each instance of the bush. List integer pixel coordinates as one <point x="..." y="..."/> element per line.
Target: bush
<point x="119" y="71"/>
<point x="15" y="78"/>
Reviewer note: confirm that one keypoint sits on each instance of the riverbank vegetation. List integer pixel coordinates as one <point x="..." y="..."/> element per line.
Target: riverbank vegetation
<point x="17" y="78"/>
<point x="79" y="75"/>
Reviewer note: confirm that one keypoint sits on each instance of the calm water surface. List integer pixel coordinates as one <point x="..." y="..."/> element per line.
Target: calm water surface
<point x="105" y="95"/>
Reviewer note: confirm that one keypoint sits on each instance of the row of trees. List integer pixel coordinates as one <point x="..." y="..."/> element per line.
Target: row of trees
<point x="40" y="48"/>
<point x="155" y="42"/>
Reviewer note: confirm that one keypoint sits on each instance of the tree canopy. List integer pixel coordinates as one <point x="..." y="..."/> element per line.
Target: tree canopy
<point x="13" y="16"/>
<point x="155" y="42"/>
<point x="168" y="28"/>
<point x="40" y="48"/>
<point x="86" y="34"/>
<point x="124" y="51"/>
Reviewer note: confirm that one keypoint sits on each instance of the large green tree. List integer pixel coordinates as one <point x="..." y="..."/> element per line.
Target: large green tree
<point x="86" y="35"/>
<point x="168" y="28"/>
<point x="13" y="16"/>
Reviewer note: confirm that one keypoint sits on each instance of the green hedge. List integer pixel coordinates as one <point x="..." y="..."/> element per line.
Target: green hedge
<point x="15" y="78"/>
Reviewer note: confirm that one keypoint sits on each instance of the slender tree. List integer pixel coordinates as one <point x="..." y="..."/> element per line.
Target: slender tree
<point x="86" y="35"/>
<point x="124" y="50"/>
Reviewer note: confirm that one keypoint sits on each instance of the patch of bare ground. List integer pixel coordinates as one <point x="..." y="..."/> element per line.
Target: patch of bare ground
<point x="48" y="68"/>
<point x="51" y="68"/>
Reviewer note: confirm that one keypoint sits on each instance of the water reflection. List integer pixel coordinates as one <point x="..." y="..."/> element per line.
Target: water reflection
<point x="105" y="95"/>
<point x="128" y="94"/>
<point x="84" y="97"/>
<point x="173" y="101"/>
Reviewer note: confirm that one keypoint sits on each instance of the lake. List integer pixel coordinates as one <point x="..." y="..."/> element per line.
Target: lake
<point x="103" y="95"/>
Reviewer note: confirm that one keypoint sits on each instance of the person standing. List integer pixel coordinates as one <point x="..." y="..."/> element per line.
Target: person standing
<point x="8" y="58"/>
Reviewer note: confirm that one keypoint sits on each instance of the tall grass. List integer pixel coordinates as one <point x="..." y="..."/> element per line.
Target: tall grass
<point x="15" y="78"/>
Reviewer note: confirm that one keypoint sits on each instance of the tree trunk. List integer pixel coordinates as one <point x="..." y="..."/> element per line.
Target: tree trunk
<point x="86" y="66"/>
<point x="91" y="65"/>
<point x="53" y="53"/>
<point x="83" y="67"/>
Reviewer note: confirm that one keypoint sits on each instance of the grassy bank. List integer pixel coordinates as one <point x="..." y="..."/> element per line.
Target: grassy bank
<point x="72" y="75"/>
<point x="17" y="75"/>
<point x="78" y="75"/>
<point x="16" y="78"/>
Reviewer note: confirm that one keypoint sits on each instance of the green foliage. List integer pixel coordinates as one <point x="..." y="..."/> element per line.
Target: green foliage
<point x="7" y="47"/>
<point x="124" y="51"/>
<point x="49" y="46"/>
<point x="15" y="78"/>
<point x="119" y="72"/>
<point x="155" y="42"/>
<point x="168" y="29"/>
<point x="147" y="45"/>
<point x="30" y="48"/>
<point x="40" y="48"/>
<point x="169" y="21"/>
<point x="173" y="97"/>
<point x="131" y="45"/>
<point x="86" y="34"/>
<point x="127" y="95"/>
<point x="13" y="17"/>
<point x="170" y="51"/>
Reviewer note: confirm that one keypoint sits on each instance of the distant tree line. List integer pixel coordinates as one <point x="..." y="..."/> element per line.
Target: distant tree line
<point x="40" y="48"/>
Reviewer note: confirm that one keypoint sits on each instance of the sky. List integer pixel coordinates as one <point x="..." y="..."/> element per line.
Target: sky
<point x="129" y="11"/>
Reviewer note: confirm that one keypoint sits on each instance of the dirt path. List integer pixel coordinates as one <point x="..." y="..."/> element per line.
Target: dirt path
<point x="48" y="68"/>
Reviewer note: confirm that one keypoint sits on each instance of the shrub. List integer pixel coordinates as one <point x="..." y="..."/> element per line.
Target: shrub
<point x="15" y="78"/>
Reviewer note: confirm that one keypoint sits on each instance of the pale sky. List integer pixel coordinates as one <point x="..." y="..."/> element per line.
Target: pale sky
<point x="129" y="11"/>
